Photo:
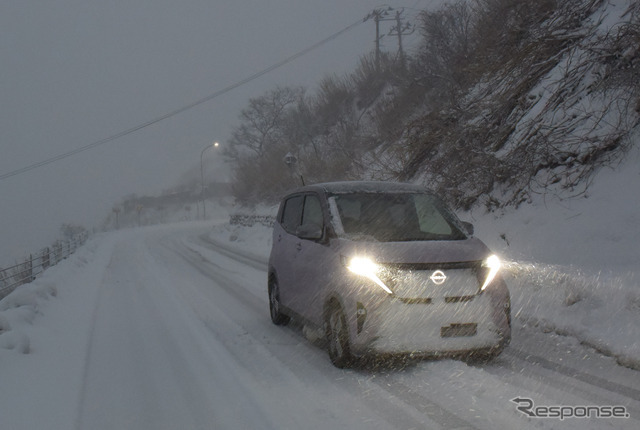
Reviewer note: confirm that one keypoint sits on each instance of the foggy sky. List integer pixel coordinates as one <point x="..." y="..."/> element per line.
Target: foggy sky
<point x="74" y="72"/>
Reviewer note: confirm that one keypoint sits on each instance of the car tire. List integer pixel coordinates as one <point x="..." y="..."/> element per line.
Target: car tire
<point x="277" y="317"/>
<point x="338" y="338"/>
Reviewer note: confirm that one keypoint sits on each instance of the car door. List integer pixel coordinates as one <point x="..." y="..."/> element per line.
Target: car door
<point x="310" y="261"/>
<point x="285" y="241"/>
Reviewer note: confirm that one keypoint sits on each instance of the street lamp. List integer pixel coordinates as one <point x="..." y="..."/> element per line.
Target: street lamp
<point x="204" y="208"/>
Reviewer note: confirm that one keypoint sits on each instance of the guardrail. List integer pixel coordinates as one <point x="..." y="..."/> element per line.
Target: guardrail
<point x="248" y="220"/>
<point x="27" y="271"/>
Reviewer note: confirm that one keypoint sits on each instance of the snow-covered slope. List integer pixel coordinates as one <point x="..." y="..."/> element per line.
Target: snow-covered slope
<point x="575" y="263"/>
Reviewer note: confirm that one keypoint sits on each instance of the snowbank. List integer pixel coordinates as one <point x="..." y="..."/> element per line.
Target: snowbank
<point x="49" y="355"/>
<point x="573" y="264"/>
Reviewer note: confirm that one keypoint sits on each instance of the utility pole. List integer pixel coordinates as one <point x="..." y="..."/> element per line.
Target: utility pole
<point x="378" y="15"/>
<point x="378" y="37"/>
<point x="401" y="30"/>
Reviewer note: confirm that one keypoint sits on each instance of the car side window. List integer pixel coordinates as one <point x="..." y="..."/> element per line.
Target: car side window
<point x="312" y="212"/>
<point x="292" y="214"/>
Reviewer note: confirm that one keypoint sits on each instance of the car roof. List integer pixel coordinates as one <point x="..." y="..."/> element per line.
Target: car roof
<point x="361" y="187"/>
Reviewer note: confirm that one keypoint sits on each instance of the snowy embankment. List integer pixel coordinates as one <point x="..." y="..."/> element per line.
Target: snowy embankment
<point x="49" y="356"/>
<point x="574" y="265"/>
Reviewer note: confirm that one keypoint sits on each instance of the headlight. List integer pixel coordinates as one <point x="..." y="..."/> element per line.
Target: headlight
<point x="364" y="266"/>
<point x="493" y="264"/>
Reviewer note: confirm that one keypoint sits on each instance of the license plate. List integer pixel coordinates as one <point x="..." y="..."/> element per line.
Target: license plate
<point x="459" y="330"/>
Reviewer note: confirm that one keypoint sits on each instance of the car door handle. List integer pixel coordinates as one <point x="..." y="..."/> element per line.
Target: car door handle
<point x="299" y="246"/>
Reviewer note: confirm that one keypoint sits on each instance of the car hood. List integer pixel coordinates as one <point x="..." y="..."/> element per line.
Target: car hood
<point x="414" y="252"/>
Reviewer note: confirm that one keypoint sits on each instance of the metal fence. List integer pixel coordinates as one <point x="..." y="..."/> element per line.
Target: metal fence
<point x="27" y="271"/>
<point x="246" y="220"/>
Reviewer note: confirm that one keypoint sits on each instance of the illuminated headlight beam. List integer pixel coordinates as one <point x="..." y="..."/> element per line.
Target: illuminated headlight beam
<point x="493" y="264"/>
<point x="363" y="266"/>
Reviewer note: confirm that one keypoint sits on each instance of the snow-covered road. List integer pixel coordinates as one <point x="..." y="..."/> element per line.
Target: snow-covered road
<point x="168" y="328"/>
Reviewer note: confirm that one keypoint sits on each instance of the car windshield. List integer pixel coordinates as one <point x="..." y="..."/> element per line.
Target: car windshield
<point x="393" y="217"/>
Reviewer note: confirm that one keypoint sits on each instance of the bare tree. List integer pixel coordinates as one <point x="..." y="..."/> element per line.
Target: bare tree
<point x="448" y="47"/>
<point x="262" y="122"/>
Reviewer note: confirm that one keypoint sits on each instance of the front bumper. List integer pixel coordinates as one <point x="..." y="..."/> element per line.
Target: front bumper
<point x="435" y="327"/>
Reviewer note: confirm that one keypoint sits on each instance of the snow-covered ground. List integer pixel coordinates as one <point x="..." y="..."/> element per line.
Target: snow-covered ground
<point x="167" y="327"/>
<point x="575" y="264"/>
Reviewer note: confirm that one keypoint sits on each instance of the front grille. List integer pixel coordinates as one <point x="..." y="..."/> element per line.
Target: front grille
<point x="458" y="299"/>
<point x="434" y="266"/>
<point x="416" y="301"/>
<point x="423" y="283"/>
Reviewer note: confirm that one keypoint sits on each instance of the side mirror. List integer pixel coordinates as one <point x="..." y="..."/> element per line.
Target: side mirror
<point x="468" y="227"/>
<point x="309" y="231"/>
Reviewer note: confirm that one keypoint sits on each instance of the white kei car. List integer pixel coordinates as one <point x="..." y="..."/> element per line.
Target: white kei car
<point x="385" y="268"/>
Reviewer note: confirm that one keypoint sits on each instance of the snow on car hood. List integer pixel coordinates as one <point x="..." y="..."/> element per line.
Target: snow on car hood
<point x="412" y="252"/>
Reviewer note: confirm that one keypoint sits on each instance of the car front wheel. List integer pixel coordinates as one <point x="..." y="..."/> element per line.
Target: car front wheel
<point x="338" y="338"/>
<point x="277" y="317"/>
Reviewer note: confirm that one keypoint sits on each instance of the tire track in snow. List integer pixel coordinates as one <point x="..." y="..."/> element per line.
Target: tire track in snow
<point x="587" y="378"/>
<point x="147" y="358"/>
<point x="89" y="352"/>
<point x="442" y="416"/>
<point x="220" y="275"/>
<point x="251" y="260"/>
<point x="297" y="371"/>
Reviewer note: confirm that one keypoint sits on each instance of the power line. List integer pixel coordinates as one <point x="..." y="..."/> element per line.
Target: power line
<point x="181" y="109"/>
